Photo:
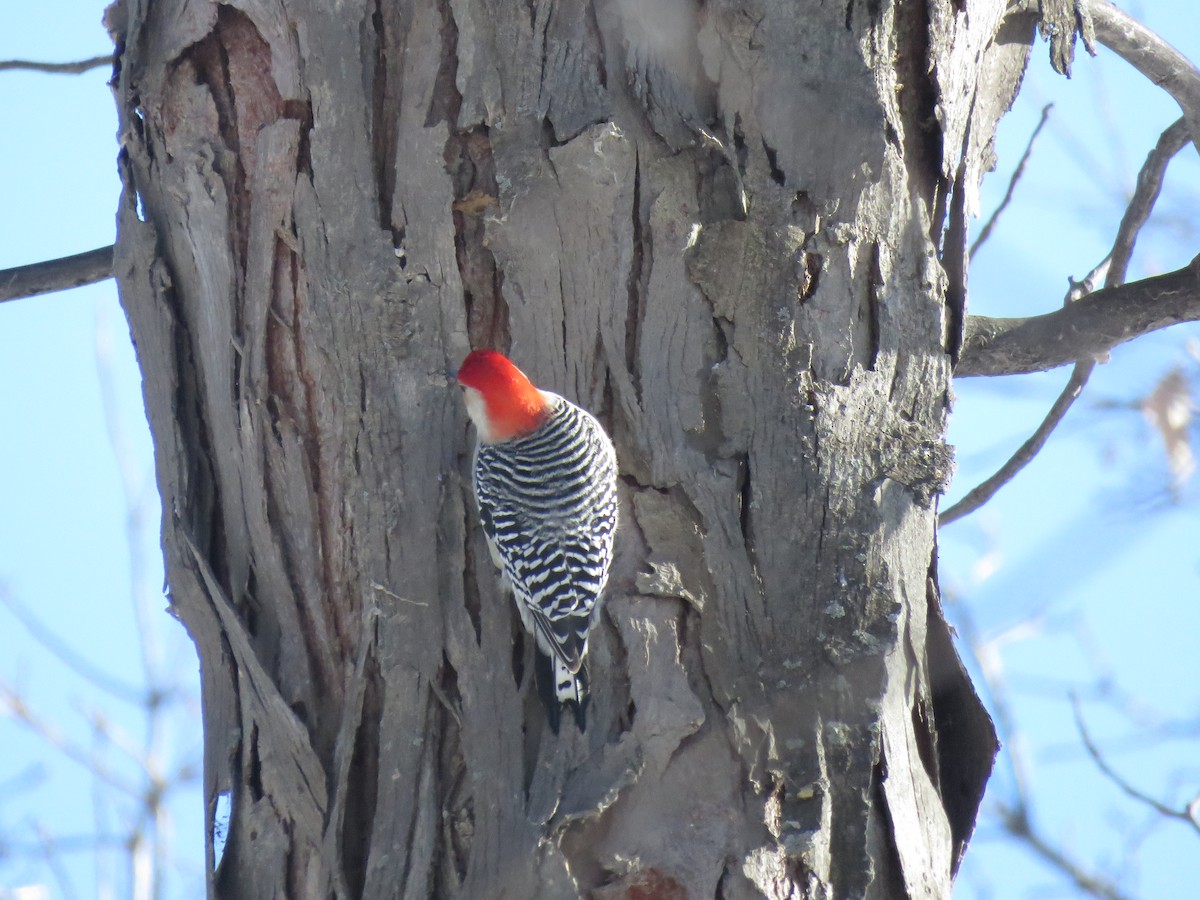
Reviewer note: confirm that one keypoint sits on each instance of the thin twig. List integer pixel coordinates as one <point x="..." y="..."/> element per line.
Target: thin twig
<point x="1015" y="817"/>
<point x="379" y="587"/>
<point x="983" y="492"/>
<point x="988" y="661"/>
<point x="77" y="67"/>
<point x="56" y="274"/>
<point x="1114" y="268"/>
<point x="1018" y="825"/>
<point x="15" y="705"/>
<point x="1184" y="815"/>
<point x="50" y="853"/>
<point x="986" y="231"/>
<point x="71" y="843"/>
<point x="58" y="648"/>
<point x="114" y="736"/>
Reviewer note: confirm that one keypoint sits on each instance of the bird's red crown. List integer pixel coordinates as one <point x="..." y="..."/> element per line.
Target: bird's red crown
<point x="511" y="407"/>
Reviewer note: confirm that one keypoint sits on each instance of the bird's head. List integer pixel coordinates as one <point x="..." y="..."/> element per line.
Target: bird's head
<point x="501" y="400"/>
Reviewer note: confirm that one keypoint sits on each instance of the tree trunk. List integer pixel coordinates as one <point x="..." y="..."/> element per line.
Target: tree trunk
<point x="736" y="232"/>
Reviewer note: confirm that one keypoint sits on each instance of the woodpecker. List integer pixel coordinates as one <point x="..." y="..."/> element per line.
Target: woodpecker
<point x="545" y="476"/>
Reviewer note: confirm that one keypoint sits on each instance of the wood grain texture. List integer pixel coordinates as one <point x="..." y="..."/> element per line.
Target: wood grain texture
<point x="717" y="227"/>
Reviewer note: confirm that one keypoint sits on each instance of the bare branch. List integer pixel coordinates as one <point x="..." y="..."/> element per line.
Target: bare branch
<point x="1087" y="329"/>
<point x="1018" y="825"/>
<point x="71" y="843"/>
<point x="1092" y="327"/>
<point x="68" y="68"/>
<point x="1103" y="21"/>
<point x="1184" y="815"/>
<point x="67" y="655"/>
<point x="984" y="492"/>
<point x="1145" y="195"/>
<point x="988" y="660"/>
<point x="1015" y="815"/>
<point x="12" y="703"/>
<point x="52" y="857"/>
<point x="990" y="224"/>
<point x="56" y="274"/>
<point x="1152" y="56"/>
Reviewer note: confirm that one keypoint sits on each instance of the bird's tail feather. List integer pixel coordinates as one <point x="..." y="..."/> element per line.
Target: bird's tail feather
<point x="558" y="686"/>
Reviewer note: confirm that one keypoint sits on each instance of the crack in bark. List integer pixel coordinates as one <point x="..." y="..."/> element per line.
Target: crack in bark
<point x="777" y="174"/>
<point x="955" y="261"/>
<point x="446" y="102"/>
<point x="810" y="276"/>
<point x="472" y="169"/>
<point x="918" y="98"/>
<point x="635" y="283"/>
<point x="384" y="115"/>
<point x="874" y="283"/>
<point x="745" y="499"/>
<point x="361" y="782"/>
<point x="894" y="873"/>
<point x="313" y="614"/>
<point x="234" y="63"/>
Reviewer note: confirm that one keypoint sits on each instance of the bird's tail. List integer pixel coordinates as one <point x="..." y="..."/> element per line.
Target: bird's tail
<point x="558" y="686"/>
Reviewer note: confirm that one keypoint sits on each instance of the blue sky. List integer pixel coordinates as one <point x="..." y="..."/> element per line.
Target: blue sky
<point x="74" y="550"/>
<point x="1081" y="544"/>
<point x="1081" y="572"/>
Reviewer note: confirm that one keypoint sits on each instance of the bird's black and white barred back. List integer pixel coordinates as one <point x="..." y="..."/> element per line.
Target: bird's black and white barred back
<point x="548" y="503"/>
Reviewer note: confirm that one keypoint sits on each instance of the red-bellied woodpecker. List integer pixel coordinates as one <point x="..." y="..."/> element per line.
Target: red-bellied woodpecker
<point x="546" y="483"/>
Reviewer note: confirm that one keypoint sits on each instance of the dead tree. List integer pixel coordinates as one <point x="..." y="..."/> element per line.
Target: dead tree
<point x="736" y="232"/>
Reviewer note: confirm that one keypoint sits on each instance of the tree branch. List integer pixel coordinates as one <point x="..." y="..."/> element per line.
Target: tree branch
<point x="1152" y="56"/>
<point x="1086" y="329"/>
<point x="1020" y="827"/>
<point x="1105" y="22"/>
<point x="986" y="231"/>
<point x="56" y="274"/>
<point x="49" y="640"/>
<point x="1145" y="195"/>
<point x="1016" y="815"/>
<point x="1091" y="327"/>
<point x="1089" y="324"/>
<point x="983" y="492"/>
<point x="1187" y="815"/>
<point x="68" y="68"/>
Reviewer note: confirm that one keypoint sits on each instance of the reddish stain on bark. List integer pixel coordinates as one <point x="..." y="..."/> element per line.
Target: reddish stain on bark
<point x="651" y="884"/>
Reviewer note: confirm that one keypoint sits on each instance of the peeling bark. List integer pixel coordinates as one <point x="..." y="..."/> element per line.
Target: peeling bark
<point x="718" y="226"/>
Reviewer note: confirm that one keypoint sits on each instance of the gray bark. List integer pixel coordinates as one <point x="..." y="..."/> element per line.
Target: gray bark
<point x="718" y="226"/>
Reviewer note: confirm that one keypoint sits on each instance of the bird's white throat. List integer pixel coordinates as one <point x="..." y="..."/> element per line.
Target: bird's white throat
<point x="477" y="410"/>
